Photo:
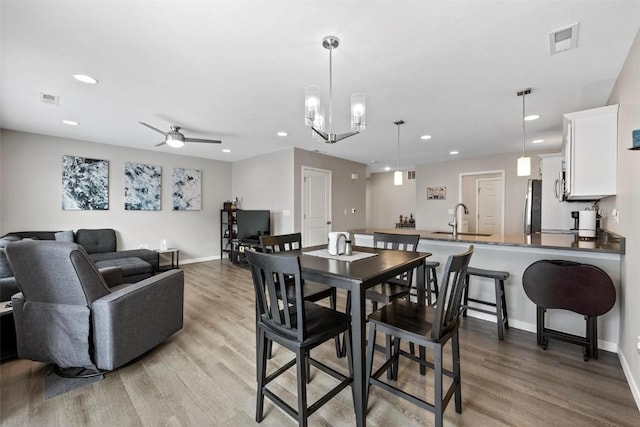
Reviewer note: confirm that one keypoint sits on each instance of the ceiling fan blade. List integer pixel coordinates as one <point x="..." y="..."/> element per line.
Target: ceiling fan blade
<point x="162" y="143"/>
<point x="211" y="141"/>
<point x="151" y="127"/>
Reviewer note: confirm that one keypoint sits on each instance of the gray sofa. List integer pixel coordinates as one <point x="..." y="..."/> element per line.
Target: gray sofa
<point x="100" y="244"/>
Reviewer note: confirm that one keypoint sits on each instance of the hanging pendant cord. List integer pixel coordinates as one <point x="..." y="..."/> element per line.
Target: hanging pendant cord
<point x="330" y="88"/>
<point x="523" y="131"/>
<point x="398" y="156"/>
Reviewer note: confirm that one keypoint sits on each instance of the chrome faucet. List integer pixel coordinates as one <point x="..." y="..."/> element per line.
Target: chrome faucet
<point x="454" y="222"/>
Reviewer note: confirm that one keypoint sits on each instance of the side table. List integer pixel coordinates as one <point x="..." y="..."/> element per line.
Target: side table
<point x="8" y="345"/>
<point x="175" y="258"/>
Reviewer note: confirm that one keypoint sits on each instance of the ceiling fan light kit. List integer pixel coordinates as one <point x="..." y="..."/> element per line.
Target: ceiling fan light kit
<point x="314" y="111"/>
<point x="176" y="139"/>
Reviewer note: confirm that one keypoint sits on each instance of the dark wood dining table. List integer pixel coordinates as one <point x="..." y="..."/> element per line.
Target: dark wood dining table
<point x="356" y="277"/>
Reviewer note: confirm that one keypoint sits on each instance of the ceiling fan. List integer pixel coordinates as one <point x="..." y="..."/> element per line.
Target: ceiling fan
<point x="175" y="138"/>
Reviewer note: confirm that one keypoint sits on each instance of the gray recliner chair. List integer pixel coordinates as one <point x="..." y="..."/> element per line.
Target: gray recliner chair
<point x="66" y="314"/>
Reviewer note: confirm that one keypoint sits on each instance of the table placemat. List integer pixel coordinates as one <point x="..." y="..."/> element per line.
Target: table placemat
<point x="324" y="253"/>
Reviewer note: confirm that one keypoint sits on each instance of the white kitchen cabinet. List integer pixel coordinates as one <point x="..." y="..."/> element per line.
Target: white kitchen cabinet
<point x="590" y="153"/>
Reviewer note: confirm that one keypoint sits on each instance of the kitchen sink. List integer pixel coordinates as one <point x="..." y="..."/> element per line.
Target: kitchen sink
<point x="461" y="234"/>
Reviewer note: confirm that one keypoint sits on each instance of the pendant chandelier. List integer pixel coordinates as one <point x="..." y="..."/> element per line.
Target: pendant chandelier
<point x="524" y="163"/>
<point x="314" y="112"/>
<point x="397" y="175"/>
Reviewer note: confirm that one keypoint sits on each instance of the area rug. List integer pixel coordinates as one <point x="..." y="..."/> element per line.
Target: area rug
<point x="55" y="385"/>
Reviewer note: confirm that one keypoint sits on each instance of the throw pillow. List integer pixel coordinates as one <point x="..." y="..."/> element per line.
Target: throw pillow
<point x="64" y="236"/>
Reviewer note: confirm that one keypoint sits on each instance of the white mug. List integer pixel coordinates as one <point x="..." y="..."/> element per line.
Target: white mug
<point x="163" y="245"/>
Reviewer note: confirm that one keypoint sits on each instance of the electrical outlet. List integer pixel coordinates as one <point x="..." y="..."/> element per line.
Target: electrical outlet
<point x="638" y="350"/>
<point x="345" y="211"/>
<point x="615" y="214"/>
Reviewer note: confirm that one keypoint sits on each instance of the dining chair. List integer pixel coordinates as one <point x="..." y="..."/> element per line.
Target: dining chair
<point x="311" y="291"/>
<point x="395" y="287"/>
<point x="296" y="324"/>
<point x="427" y="326"/>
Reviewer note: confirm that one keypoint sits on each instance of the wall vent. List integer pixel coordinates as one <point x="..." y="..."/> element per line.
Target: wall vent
<point x="411" y="174"/>
<point x="563" y="39"/>
<point x="46" y="98"/>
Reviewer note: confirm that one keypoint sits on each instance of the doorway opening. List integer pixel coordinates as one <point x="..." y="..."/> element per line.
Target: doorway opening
<point x="483" y="194"/>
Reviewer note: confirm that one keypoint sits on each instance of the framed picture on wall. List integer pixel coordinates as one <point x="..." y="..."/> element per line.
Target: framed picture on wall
<point x="187" y="189"/>
<point x="85" y="184"/>
<point x="436" y="193"/>
<point x="142" y="187"/>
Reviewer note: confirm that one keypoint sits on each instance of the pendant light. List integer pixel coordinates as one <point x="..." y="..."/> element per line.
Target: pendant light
<point x="524" y="163"/>
<point x="397" y="175"/>
<point x="314" y="114"/>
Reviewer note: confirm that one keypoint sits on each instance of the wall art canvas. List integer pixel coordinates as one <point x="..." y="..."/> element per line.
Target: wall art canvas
<point x="85" y="183"/>
<point x="436" y="193"/>
<point x="186" y="189"/>
<point x="142" y="187"/>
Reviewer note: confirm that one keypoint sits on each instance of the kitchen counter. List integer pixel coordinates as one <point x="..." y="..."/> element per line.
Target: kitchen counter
<point x="566" y="240"/>
<point x="514" y="253"/>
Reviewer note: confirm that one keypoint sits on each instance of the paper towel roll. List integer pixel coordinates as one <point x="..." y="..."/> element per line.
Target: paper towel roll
<point x="587" y="224"/>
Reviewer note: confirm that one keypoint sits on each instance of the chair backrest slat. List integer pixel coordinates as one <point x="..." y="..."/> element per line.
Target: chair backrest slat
<point x="281" y="243"/>
<point x="448" y="307"/>
<point x="398" y="242"/>
<point x="276" y="308"/>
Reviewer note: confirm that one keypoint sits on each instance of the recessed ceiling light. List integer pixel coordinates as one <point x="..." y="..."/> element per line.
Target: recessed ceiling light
<point x="453" y="152"/>
<point x="425" y="137"/>
<point x="226" y="150"/>
<point x="532" y="117"/>
<point x="84" y="78"/>
<point x="70" y="122"/>
<point x="387" y="168"/>
<point x="282" y="133"/>
<point x="537" y="141"/>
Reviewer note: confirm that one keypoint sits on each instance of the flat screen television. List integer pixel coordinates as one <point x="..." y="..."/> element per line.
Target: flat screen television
<point x="252" y="224"/>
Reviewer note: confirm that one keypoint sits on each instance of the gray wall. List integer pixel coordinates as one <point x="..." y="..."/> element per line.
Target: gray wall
<point x="626" y="93"/>
<point x="347" y="193"/>
<point x="31" y="198"/>
<point x="387" y="202"/>
<point x="266" y="182"/>
<point x="433" y="214"/>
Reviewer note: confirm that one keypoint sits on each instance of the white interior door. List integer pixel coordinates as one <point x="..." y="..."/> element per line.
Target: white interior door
<point x="490" y="195"/>
<point x="316" y="206"/>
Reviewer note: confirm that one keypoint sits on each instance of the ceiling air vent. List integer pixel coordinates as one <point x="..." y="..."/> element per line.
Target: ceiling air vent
<point x="46" y="98"/>
<point x="411" y="174"/>
<point x="563" y="39"/>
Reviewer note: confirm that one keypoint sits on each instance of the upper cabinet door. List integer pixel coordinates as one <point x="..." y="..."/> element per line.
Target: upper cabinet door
<point x="591" y="153"/>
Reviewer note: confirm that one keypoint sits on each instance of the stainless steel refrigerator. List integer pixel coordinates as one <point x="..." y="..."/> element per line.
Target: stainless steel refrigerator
<point x="533" y="207"/>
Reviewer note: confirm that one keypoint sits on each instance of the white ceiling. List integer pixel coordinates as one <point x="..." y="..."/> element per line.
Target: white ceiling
<point x="236" y="71"/>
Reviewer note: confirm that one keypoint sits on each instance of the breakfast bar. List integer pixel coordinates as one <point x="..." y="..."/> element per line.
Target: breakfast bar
<point x="514" y="253"/>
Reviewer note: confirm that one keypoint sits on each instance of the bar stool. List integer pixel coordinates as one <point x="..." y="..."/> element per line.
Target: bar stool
<point x="430" y="281"/>
<point x="501" y="302"/>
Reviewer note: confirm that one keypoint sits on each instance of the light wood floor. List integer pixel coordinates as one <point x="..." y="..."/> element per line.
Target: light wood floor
<point x="205" y="376"/>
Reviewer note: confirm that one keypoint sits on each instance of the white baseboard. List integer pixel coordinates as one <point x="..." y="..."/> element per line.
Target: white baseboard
<point x="194" y="260"/>
<point x="530" y="327"/>
<point x="635" y="391"/>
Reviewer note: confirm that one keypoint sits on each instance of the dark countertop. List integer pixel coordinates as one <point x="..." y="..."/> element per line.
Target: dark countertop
<point x="604" y="242"/>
